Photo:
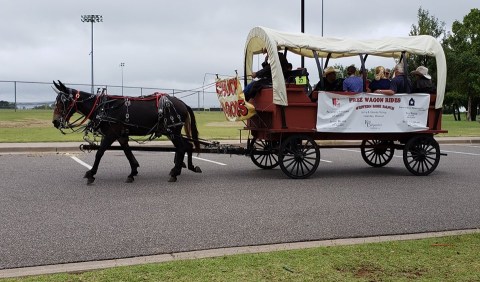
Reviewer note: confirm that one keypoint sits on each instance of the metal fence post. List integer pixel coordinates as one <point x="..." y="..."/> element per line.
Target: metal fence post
<point x="15" y="93"/>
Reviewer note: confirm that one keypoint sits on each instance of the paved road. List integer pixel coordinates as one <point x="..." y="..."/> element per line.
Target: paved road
<point x="49" y="215"/>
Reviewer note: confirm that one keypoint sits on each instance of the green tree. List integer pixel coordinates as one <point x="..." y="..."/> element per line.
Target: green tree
<point x="462" y="48"/>
<point x="6" y="105"/>
<point x="427" y="25"/>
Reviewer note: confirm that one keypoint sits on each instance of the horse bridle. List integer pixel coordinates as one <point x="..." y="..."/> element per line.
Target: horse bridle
<point x="66" y="112"/>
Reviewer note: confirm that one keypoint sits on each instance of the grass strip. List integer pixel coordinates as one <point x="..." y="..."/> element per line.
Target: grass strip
<point x="452" y="258"/>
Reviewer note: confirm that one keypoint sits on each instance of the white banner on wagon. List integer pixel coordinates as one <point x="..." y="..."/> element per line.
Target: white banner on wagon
<point x="368" y="112"/>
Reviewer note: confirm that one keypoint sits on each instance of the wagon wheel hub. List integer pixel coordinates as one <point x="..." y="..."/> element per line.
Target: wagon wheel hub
<point x="421" y="155"/>
<point x="299" y="156"/>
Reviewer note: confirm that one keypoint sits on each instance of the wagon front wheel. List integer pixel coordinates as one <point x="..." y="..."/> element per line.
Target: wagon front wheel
<point x="421" y="155"/>
<point x="299" y="156"/>
<point x="264" y="154"/>
<point x="377" y="153"/>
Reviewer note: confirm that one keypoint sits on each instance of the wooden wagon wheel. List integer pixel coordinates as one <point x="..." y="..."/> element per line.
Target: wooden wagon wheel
<point x="377" y="153"/>
<point x="421" y="155"/>
<point x="264" y="154"/>
<point x="299" y="156"/>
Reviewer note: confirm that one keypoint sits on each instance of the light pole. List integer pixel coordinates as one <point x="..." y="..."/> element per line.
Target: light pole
<point x="322" y="18"/>
<point x="322" y="29"/>
<point x="302" y="27"/>
<point x="121" y="66"/>
<point x="92" y="19"/>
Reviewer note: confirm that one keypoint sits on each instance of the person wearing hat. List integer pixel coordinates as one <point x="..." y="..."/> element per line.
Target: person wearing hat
<point x="330" y="81"/>
<point x="423" y="82"/>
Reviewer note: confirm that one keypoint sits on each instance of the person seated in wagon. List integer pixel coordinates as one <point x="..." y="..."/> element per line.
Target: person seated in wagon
<point x="381" y="82"/>
<point x="423" y="82"/>
<point x="330" y="82"/>
<point x="399" y="84"/>
<point x="352" y="83"/>
<point x="264" y="76"/>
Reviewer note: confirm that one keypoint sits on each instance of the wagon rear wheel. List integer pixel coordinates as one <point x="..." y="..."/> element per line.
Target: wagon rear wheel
<point x="377" y="153"/>
<point x="264" y="154"/>
<point x="421" y="155"/>
<point x="299" y="156"/>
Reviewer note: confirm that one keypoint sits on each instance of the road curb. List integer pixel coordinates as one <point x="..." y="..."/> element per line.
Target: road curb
<point x="102" y="264"/>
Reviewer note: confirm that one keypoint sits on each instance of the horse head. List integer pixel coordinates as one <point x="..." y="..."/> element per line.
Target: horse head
<point x="65" y="104"/>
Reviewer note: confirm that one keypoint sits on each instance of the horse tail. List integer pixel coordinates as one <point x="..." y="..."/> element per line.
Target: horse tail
<point x="192" y="128"/>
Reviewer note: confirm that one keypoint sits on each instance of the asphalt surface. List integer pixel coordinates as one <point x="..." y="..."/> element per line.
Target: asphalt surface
<point x="49" y="215"/>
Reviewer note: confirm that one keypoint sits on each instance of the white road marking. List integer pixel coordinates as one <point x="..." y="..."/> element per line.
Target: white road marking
<point x="461" y="153"/>
<point x="197" y="158"/>
<point x="349" y="150"/>
<point x="81" y="162"/>
<point x="207" y="160"/>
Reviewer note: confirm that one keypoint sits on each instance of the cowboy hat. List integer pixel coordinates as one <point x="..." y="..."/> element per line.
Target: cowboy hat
<point x="423" y="71"/>
<point x="328" y="71"/>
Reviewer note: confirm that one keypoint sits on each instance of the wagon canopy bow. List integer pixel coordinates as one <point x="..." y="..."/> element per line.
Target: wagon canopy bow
<point x="304" y="44"/>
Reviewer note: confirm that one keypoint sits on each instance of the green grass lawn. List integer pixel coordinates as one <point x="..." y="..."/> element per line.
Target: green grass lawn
<point x="454" y="258"/>
<point x="36" y="126"/>
<point x="460" y="128"/>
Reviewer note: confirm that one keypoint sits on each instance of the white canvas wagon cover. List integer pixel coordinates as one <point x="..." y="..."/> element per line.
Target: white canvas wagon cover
<point x="304" y="44"/>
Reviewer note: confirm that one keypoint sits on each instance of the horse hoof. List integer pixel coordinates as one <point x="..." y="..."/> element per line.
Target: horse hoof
<point x="172" y="179"/>
<point x="197" y="169"/>
<point x="90" y="180"/>
<point x="88" y="174"/>
<point x="130" y="179"/>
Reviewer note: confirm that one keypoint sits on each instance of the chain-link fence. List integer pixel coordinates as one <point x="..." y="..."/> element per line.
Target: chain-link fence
<point x="28" y="94"/>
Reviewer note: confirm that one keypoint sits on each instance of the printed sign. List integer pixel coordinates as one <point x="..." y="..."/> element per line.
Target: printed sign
<point x="232" y="100"/>
<point x="301" y="80"/>
<point x="369" y="112"/>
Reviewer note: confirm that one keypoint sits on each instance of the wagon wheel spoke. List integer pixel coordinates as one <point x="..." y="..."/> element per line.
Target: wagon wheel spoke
<point x="299" y="156"/>
<point x="421" y="155"/>
<point x="264" y="153"/>
<point x="289" y="162"/>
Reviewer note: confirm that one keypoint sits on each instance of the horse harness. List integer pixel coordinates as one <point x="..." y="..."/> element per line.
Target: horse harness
<point x="168" y="116"/>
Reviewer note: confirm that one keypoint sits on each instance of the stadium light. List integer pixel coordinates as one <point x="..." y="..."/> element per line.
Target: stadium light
<point x="92" y="19"/>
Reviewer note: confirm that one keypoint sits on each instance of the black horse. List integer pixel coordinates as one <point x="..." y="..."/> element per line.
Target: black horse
<point x="116" y="118"/>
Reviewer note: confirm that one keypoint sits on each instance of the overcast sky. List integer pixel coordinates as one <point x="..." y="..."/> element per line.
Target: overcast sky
<point x="177" y="44"/>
